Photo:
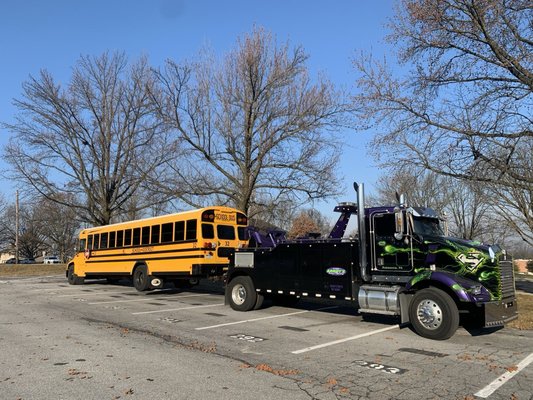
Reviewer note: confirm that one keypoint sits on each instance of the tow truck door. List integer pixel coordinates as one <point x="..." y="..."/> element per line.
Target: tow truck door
<point x="387" y="252"/>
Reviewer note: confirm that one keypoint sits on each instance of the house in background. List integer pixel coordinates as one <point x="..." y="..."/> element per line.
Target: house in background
<point x="4" y="256"/>
<point x="521" y="266"/>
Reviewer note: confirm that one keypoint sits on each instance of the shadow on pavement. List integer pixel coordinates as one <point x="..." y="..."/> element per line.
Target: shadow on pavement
<point x="524" y="284"/>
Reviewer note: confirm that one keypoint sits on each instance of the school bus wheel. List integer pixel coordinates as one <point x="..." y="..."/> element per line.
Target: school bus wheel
<point x="72" y="278"/>
<point x="140" y="278"/>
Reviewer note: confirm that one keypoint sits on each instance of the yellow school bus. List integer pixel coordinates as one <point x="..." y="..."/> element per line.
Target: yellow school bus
<point x="181" y="248"/>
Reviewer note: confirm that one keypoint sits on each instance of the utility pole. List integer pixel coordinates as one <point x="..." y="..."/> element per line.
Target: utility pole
<point x="17" y="228"/>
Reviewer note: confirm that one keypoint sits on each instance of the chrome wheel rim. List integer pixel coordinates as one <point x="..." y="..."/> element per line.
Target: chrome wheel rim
<point x="238" y="294"/>
<point x="429" y="314"/>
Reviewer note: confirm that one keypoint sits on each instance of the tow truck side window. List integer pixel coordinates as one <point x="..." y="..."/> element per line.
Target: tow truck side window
<point x="428" y="226"/>
<point x="384" y="225"/>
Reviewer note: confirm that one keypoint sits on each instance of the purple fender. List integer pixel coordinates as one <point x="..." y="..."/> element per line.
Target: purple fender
<point x="466" y="290"/>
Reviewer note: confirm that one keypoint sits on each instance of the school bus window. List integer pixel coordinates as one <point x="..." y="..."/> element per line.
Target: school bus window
<point x="120" y="238"/>
<point x="191" y="229"/>
<point x="179" y="231"/>
<point x="81" y="246"/>
<point x="208" y="232"/>
<point x="127" y="237"/>
<point x="241" y="231"/>
<point x="103" y="240"/>
<point x="145" y="235"/>
<point x="90" y="242"/>
<point x="136" y="236"/>
<point x="155" y="234"/>
<point x="166" y="232"/>
<point x="96" y="242"/>
<point x="226" y="232"/>
<point x="112" y="239"/>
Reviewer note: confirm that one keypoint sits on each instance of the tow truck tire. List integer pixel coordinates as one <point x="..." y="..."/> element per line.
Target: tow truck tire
<point x="241" y="294"/>
<point x="434" y="314"/>
<point x="72" y="278"/>
<point x="140" y="278"/>
<point x="259" y="302"/>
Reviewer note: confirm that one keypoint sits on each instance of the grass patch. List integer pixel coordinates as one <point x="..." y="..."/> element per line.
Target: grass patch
<point x="525" y="313"/>
<point x="14" y="270"/>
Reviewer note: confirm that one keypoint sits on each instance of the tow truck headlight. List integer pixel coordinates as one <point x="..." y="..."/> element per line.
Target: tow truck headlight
<point x="476" y="290"/>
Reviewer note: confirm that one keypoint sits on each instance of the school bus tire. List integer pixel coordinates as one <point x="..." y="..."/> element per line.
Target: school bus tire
<point x="140" y="278"/>
<point x="72" y="278"/>
<point x="241" y="294"/>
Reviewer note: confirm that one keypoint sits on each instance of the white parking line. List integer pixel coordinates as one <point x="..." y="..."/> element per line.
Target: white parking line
<point x="320" y="346"/>
<point x="496" y="383"/>
<point x="149" y="299"/>
<point x="262" y="318"/>
<point x="176" y="309"/>
<point x="56" y="287"/>
<point x="91" y="294"/>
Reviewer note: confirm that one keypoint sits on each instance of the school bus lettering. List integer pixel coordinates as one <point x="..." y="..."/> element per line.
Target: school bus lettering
<point x="143" y="250"/>
<point x="225" y="217"/>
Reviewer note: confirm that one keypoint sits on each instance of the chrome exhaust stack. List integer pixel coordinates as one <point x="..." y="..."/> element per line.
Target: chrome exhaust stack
<point x="363" y="263"/>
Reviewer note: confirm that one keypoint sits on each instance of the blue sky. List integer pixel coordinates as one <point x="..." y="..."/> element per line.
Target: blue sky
<point x="52" y="34"/>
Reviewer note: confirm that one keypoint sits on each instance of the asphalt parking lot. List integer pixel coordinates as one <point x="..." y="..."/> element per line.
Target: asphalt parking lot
<point x="186" y="344"/>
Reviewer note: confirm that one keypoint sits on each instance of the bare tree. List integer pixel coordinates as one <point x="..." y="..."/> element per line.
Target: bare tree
<point x="514" y="204"/>
<point x="60" y="226"/>
<point x="45" y="226"/>
<point x="464" y="107"/>
<point x="31" y="230"/>
<point x="4" y="233"/>
<point x="469" y="210"/>
<point x="465" y="204"/>
<point x="96" y="139"/>
<point x="257" y="131"/>
<point x="421" y="189"/>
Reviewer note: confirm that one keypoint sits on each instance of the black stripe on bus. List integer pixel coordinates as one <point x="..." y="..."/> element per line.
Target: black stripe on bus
<point x="147" y="252"/>
<point x="142" y="259"/>
<point x="137" y="246"/>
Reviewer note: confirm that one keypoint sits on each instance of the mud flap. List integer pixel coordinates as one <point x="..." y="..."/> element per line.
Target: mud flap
<point x="405" y="302"/>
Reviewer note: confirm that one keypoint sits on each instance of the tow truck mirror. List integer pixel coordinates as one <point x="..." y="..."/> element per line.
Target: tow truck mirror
<point x="398" y="219"/>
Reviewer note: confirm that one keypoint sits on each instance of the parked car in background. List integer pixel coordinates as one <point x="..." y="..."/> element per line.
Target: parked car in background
<point x="51" y="260"/>
<point x="27" y="261"/>
<point x="11" y="261"/>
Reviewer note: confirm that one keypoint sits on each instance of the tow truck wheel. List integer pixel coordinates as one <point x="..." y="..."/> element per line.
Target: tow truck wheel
<point x="434" y="314"/>
<point x="259" y="302"/>
<point x="242" y="294"/>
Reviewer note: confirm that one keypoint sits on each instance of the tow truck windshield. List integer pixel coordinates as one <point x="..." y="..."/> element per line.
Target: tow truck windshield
<point x="427" y="226"/>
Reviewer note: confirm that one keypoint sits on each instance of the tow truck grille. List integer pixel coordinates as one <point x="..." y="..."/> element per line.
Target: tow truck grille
<point x="507" y="278"/>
